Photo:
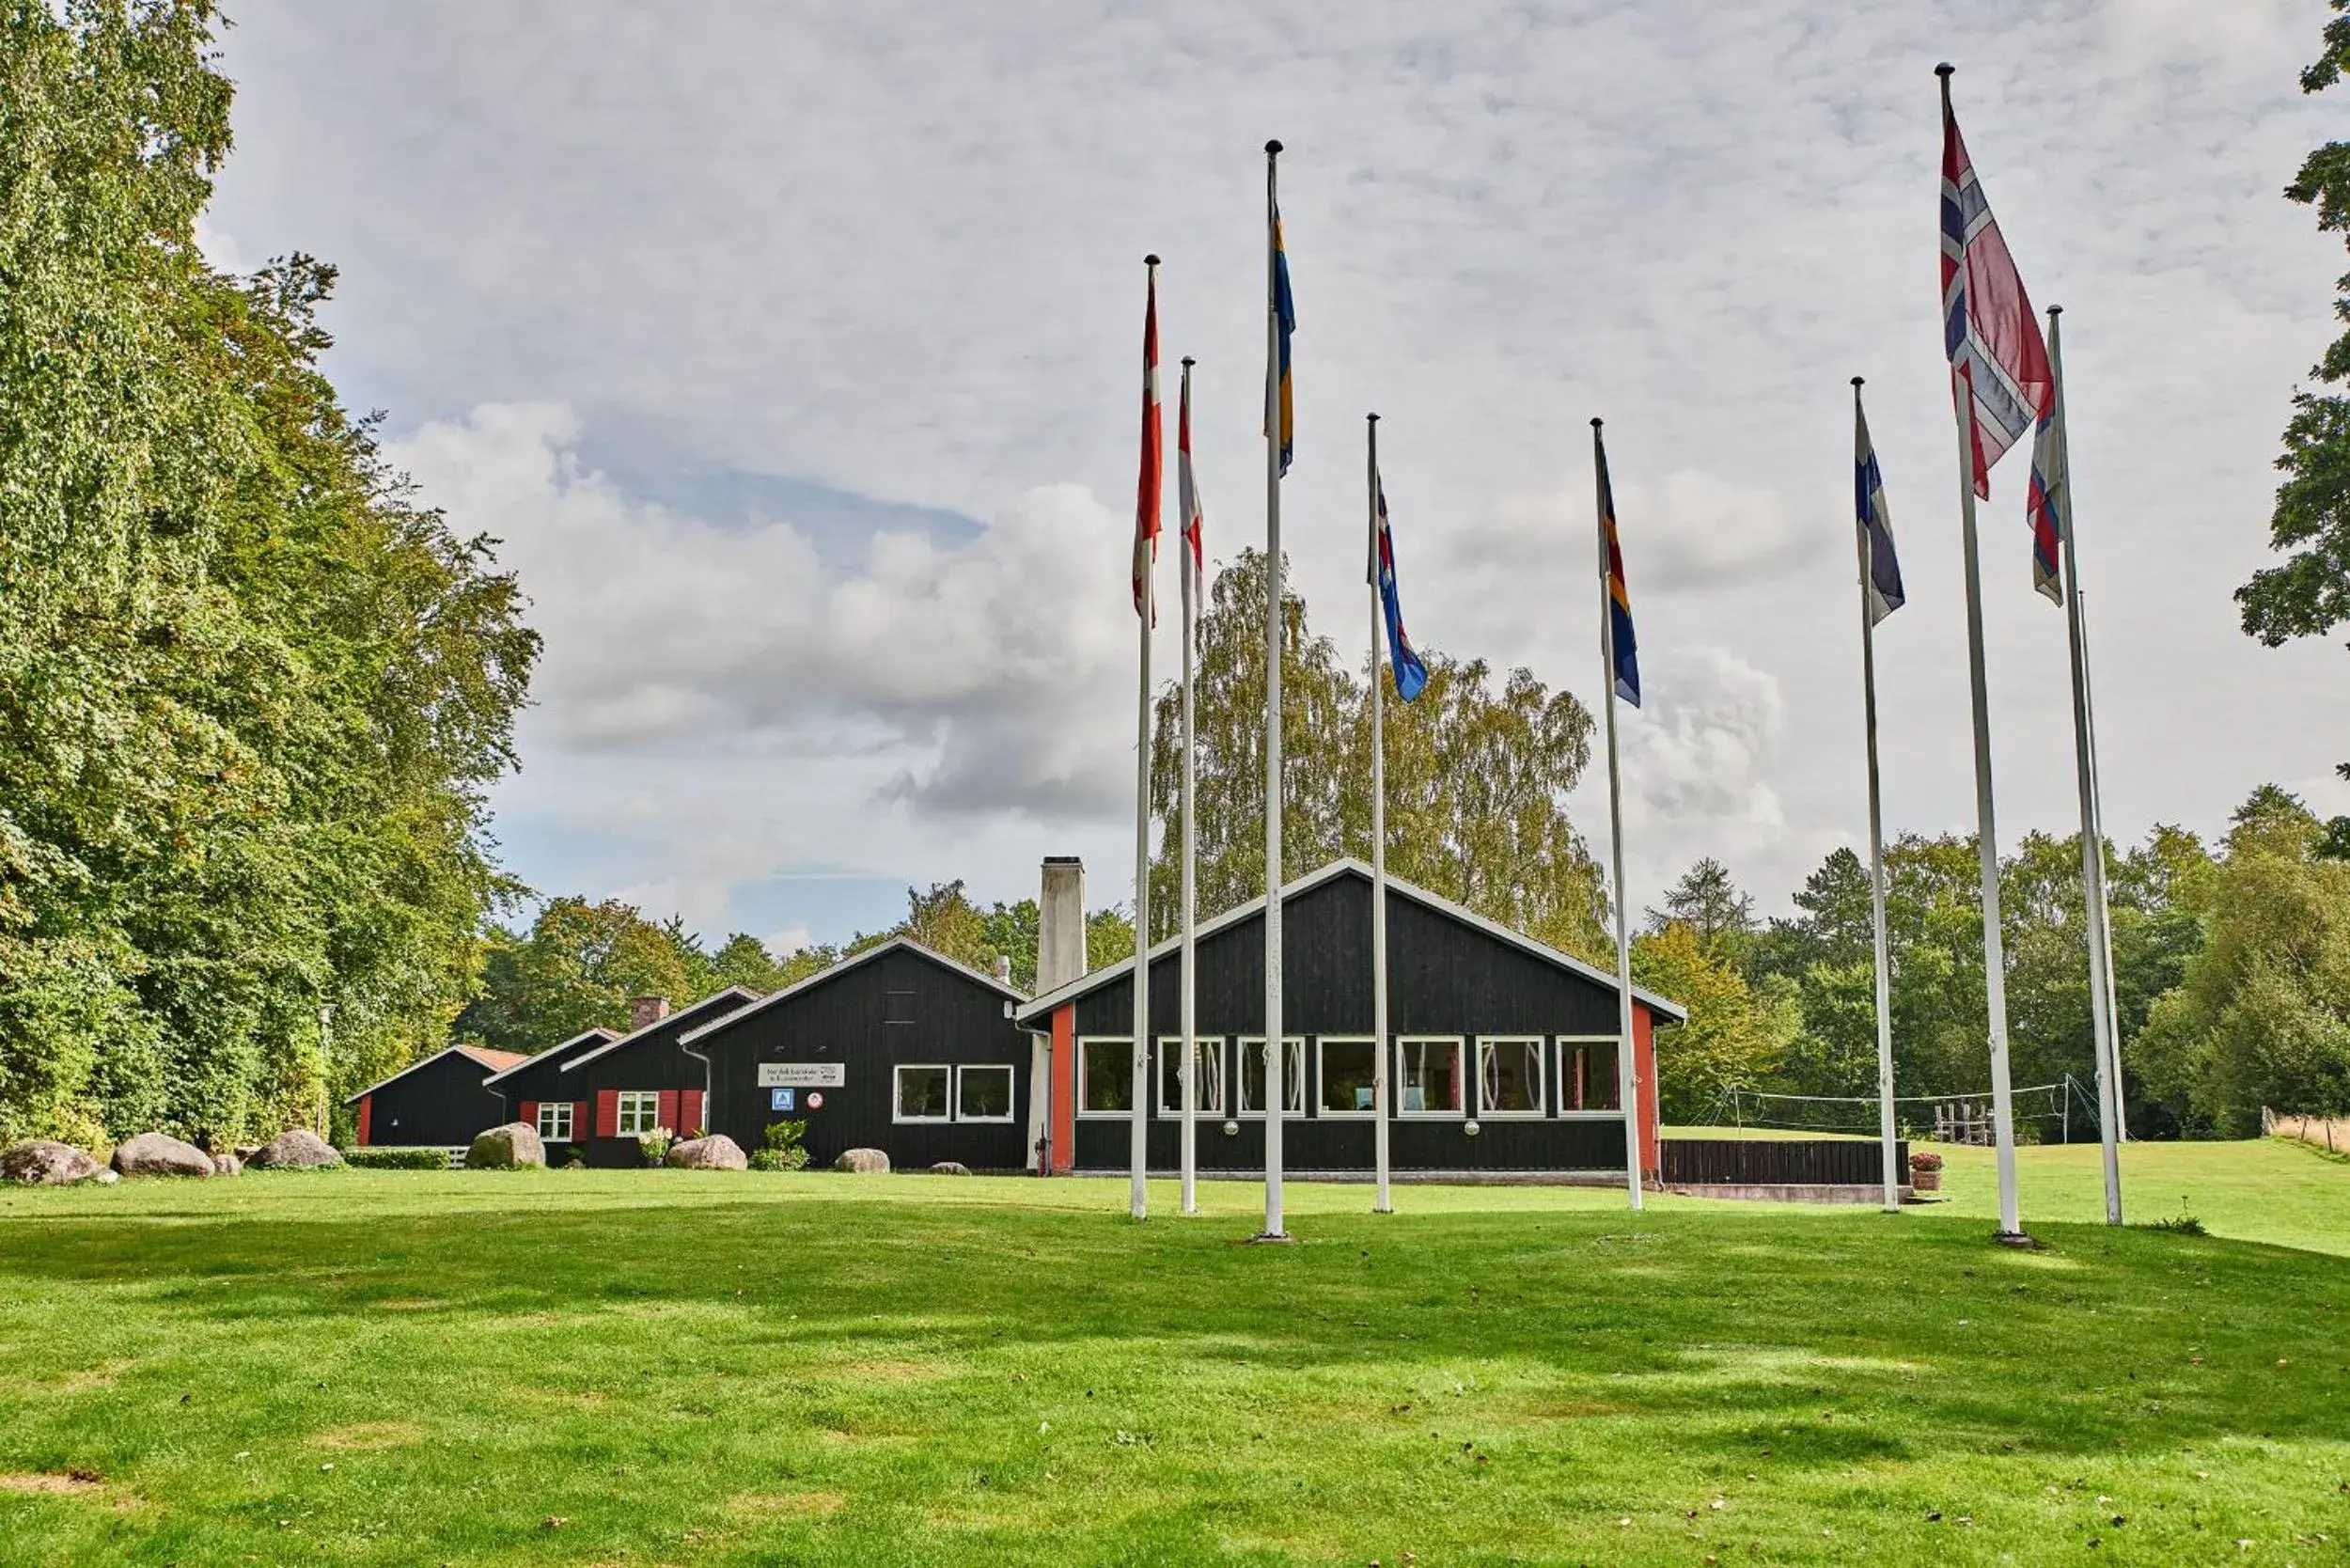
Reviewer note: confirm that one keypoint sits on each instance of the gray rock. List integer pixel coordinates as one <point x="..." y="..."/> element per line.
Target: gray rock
<point x="715" y="1152"/>
<point x="45" y="1162"/>
<point x="228" y="1164"/>
<point x="161" y="1155"/>
<point x="244" y="1152"/>
<point x="865" y="1161"/>
<point x="295" y="1148"/>
<point x="108" y="1177"/>
<point x="507" y="1148"/>
<point x="951" y="1168"/>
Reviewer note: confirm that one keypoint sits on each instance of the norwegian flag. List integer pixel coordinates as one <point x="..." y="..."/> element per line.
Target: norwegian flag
<point x="1998" y="364"/>
<point x="1151" y="480"/>
<point x="1188" y="498"/>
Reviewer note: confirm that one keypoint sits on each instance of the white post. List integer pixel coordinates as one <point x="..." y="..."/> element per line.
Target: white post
<point x="1876" y="861"/>
<point x="1273" y="1039"/>
<point x="2105" y="905"/>
<point x="1145" y="562"/>
<point x="1190" y="997"/>
<point x="1627" y="1079"/>
<point x="1379" y="1202"/>
<point x="2092" y="846"/>
<point x="1987" y="839"/>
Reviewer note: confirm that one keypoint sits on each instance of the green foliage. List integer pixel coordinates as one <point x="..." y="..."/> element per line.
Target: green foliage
<point x="250" y="696"/>
<point x="370" y="1158"/>
<point x="1110" y="938"/>
<point x="1476" y="777"/>
<point x="1733" y="1039"/>
<point x="1710" y="905"/>
<point x="784" y="1148"/>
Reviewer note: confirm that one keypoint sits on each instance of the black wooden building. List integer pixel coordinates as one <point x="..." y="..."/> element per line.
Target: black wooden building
<point x="439" y="1102"/>
<point x="1503" y="1050"/>
<point x="592" y="1098"/>
<point x="897" y="1048"/>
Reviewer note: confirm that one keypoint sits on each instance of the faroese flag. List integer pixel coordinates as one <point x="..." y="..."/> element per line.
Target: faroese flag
<point x="1619" y="638"/>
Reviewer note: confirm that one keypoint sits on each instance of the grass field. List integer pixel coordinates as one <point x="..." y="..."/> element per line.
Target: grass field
<point x="684" y="1368"/>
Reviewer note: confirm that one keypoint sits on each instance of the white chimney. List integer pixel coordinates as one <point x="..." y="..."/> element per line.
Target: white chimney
<point x="1060" y="942"/>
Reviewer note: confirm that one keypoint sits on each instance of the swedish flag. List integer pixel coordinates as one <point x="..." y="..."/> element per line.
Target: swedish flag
<point x="1285" y="322"/>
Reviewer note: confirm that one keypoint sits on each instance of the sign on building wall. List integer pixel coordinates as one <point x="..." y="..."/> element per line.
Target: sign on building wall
<point x="803" y="1074"/>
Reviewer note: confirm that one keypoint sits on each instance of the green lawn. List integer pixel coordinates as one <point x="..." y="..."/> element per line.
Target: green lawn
<point x="684" y="1367"/>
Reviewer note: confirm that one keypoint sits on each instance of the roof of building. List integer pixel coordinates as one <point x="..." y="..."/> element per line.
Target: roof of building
<point x="834" y="972"/>
<point x="1040" y="1008"/>
<point x="579" y="1041"/>
<point x="738" y="995"/>
<point x="495" y="1061"/>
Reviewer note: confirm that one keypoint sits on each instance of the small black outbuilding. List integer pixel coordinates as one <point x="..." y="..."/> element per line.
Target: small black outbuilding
<point x="594" y="1097"/>
<point x="439" y="1102"/>
<point x="897" y="1048"/>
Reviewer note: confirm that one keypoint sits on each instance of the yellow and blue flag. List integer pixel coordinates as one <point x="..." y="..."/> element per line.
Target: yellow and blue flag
<point x="1620" y="640"/>
<point x="1285" y="318"/>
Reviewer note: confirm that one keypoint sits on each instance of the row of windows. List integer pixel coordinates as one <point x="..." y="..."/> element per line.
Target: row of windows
<point x="1434" y="1076"/>
<point x="639" y="1111"/>
<point x="976" y="1093"/>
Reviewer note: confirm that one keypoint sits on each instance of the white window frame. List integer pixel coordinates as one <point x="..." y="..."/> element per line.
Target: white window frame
<point x="1460" y="1067"/>
<point x="1321" y="1101"/>
<point x="1085" y="1044"/>
<point x="897" y="1093"/>
<point x="1541" y="1075"/>
<point x="1292" y="1072"/>
<point x="646" y="1105"/>
<point x="1011" y="1091"/>
<point x="569" y="1119"/>
<point x="1567" y="1043"/>
<point x="1208" y="1047"/>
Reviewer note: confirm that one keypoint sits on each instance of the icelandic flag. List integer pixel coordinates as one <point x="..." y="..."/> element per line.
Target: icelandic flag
<point x="2048" y="499"/>
<point x="1151" y="480"/>
<point x="1411" y="674"/>
<point x="1883" y="583"/>
<point x="1187" y="498"/>
<point x="1619" y="638"/>
<point x="1285" y="318"/>
<point x="1998" y="364"/>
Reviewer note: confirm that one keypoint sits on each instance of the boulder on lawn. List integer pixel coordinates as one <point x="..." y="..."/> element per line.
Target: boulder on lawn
<point x="296" y="1149"/>
<point x="951" y="1168"/>
<point x="863" y="1161"/>
<point x="507" y="1148"/>
<point x="161" y="1155"/>
<point x="715" y="1152"/>
<point x="228" y="1164"/>
<point x="45" y="1162"/>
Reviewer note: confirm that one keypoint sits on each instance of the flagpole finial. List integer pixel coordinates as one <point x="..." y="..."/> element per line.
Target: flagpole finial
<point x="1596" y="421"/>
<point x="2056" y="311"/>
<point x="1189" y="362"/>
<point x="1857" y="380"/>
<point x="1944" y="69"/>
<point x="1151" y="259"/>
<point x="1373" y="417"/>
<point x="1273" y="148"/>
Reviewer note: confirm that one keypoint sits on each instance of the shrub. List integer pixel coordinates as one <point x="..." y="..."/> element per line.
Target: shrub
<point x="654" y="1145"/>
<point x="783" y="1151"/>
<point x="397" y="1159"/>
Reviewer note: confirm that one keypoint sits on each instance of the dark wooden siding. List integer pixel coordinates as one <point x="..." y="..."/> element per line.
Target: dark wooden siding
<point x="899" y="1009"/>
<point x="440" y="1105"/>
<point x="1779" y="1161"/>
<point x="650" y="1058"/>
<point x="1444" y="978"/>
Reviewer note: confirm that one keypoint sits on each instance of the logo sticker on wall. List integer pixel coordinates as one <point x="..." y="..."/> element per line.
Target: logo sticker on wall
<point x="815" y="1102"/>
<point x="782" y="1099"/>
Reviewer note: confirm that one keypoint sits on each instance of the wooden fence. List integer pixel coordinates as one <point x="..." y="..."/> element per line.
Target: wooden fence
<point x="1778" y="1162"/>
<point x="2329" y="1132"/>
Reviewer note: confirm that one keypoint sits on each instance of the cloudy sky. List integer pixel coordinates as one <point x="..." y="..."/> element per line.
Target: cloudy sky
<point x="791" y="351"/>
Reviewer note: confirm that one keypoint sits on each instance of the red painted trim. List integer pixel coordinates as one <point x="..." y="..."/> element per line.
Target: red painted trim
<point x="530" y="1115"/>
<point x="607" y="1113"/>
<point x="665" y="1110"/>
<point x="366" y="1117"/>
<point x="1062" y="1122"/>
<point x="1644" y="1066"/>
<point x="689" y="1119"/>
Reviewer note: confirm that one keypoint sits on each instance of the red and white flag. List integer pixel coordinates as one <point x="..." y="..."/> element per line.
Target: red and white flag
<point x="1153" y="465"/>
<point x="1187" y="498"/>
<point x="1998" y="364"/>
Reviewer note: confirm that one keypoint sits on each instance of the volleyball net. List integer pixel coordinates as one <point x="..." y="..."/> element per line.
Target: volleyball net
<point x="2059" y="1112"/>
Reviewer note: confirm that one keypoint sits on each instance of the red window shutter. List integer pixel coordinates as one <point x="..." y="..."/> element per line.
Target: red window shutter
<point x="531" y="1114"/>
<point x="665" y="1110"/>
<point x="690" y="1113"/>
<point x="607" y="1113"/>
<point x="580" y="1109"/>
<point x="367" y="1104"/>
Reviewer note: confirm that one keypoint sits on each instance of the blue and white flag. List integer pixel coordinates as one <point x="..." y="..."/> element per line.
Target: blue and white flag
<point x="1883" y="584"/>
<point x="1411" y="674"/>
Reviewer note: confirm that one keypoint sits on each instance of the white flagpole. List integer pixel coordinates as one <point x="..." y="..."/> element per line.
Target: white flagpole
<point x="1876" y="861"/>
<point x="1273" y="1039"/>
<point x="2105" y="904"/>
<point x="1627" y="1079"/>
<point x="1190" y="997"/>
<point x="2092" y="846"/>
<point x="1145" y="562"/>
<point x="1379" y="1202"/>
<point x="1987" y="839"/>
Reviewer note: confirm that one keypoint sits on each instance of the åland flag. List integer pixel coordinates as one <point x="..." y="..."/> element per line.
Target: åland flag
<point x="1410" y="673"/>
<point x="1149" y="482"/>
<point x="2046" y="501"/>
<point x="1285" y="316"/>
<point x="1619" y="638"/>
<point x="1999" y="364"/>
<point x="1883" y="581"/>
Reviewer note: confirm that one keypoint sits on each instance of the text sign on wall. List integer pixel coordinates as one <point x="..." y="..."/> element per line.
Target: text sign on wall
<point x="803" y="1074"/>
